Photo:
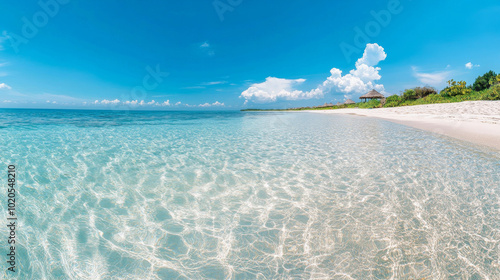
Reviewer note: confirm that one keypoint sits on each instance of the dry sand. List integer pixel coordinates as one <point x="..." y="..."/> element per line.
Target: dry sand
<point x="473" y="121"/>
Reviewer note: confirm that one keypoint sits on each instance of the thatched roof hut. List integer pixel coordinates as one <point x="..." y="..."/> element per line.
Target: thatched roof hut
<point x="349" y="101"/>
<point x="325" y="105"/>
<point x="339" y="104"/>
<point x="373" y="94"/>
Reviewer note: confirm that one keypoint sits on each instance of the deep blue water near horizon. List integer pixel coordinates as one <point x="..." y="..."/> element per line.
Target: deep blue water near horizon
<point x="245" y="195"/>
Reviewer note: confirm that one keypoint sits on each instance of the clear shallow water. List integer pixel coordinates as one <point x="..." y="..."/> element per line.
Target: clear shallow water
<point x="152" y="195"/>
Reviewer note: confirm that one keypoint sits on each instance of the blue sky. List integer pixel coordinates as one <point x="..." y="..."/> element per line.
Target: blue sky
<point x="233" y="54"/>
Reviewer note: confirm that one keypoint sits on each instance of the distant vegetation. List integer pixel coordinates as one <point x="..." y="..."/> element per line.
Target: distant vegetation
<point x="486" y="87"/>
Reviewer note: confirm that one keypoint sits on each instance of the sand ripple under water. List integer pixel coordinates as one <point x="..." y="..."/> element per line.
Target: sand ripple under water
<point x="110" y="195"/>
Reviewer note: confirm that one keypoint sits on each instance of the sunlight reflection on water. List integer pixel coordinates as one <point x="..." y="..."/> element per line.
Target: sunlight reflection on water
<point x="178" y="195"/>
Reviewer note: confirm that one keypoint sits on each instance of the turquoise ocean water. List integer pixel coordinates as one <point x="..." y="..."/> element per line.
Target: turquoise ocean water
<point x="234" y="195"/>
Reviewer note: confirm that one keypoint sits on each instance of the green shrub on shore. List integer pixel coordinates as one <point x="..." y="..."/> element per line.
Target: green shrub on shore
<point x="455" y="88"/>
<point x="456" y="91"/>
<point x="422" y="92"/>
<point x="418" y="92"/>
<point x="409" y="94"/>
<point x="495" y="80"/>
<point x="485" y="81"/>
<point x="374" y="103"/>
<point x="492" y="94"/>
<point x="433" y="98"/>
<point x="393" y="101"/>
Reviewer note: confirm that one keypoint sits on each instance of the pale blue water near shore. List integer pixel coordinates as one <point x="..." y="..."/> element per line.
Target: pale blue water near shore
<point x="234" y="195"/>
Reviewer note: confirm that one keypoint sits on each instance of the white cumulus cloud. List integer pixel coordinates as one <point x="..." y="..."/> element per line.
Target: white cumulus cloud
<point x="107" y="102"/>
<point x="216" y="103"/>
<point x="359" y="80"/>
<point x="130" y="102"/>
<point x="145" y="103"/>
<point x="469" y="65"/>
<point x="372" y="55"/>
<point x="276" y="88"/>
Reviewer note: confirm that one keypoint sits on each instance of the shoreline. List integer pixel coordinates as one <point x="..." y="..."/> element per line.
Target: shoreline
<point x="477" y="122"/>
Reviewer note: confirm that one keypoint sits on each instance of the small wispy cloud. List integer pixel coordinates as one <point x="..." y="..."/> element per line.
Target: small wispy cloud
<point x="39" y="98"/>
<point x="207" y="49"/>
<point x="5" y="86"/>
<point x="57" y="97"/>
<point x="436" y="78"/>
<point x="469" y="65"/>
<point x="214" y="83"/>
<point x="205" y="85"/>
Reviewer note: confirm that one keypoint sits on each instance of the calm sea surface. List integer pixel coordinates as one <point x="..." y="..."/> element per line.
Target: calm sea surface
<point x="234" y="195"/>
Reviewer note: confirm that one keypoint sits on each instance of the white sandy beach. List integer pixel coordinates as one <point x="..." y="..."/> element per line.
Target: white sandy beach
<point x="473" y="121"/>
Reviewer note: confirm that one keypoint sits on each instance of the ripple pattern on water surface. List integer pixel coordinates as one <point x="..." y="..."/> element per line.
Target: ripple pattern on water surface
<point x="249" y="196"/>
